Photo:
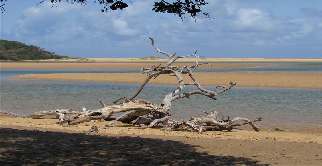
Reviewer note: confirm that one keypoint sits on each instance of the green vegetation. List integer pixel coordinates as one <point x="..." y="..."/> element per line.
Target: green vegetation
<point x="16" y="51"/>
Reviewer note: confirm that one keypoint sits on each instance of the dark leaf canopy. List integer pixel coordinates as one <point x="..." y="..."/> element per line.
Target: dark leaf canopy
<point x="178" y="7"/>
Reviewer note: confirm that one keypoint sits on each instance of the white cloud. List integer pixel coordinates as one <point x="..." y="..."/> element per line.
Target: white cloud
<point x="121" y="27"/>
<point x="38" y="10"/>
<point x="298" y="30"/>
<point x="253" y="18"/>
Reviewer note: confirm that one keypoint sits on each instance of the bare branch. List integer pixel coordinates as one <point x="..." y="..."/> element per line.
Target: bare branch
<point x="144" y="113"/>
<point x="102" y="104"/>
<point x="158" y="50"/>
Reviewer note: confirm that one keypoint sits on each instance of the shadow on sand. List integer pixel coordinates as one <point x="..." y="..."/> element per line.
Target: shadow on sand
<point x="20" y="147"/>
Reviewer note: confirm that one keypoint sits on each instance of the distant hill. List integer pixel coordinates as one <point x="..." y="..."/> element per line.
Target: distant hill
<point x="16" y="51"/>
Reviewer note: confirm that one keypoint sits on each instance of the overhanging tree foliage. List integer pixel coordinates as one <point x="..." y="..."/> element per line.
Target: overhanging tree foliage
<point x="177" y="7"/>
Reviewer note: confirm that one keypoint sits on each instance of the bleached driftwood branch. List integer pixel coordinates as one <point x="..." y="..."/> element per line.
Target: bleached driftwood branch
<point x="144" y="113"/>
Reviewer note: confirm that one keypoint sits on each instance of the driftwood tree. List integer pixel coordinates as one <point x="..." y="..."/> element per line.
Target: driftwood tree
<point x="158" y="115"/>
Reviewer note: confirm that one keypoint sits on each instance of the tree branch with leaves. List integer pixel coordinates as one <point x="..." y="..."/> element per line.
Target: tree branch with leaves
<point x="179" y="8"/>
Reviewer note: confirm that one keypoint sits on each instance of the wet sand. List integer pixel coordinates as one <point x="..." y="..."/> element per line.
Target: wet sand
<point x="25" y="140"/>
<point x="243" y="79"/>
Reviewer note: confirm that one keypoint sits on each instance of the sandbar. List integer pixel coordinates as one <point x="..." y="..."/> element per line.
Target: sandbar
<point x="312" y="80"/>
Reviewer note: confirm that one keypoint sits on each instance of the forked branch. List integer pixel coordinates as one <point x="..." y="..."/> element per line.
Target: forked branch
<point x="144" y="113"/>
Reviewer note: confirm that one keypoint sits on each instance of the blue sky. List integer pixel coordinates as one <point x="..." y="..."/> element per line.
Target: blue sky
<point x="238" y="28"/>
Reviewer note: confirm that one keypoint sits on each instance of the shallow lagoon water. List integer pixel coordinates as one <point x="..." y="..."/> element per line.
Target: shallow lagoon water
<point x="280" y="106"/>
<point x="293" y="107"/>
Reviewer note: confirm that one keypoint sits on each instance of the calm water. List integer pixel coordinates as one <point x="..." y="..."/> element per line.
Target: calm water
<point x="277" y="66"/>
<point x="277" y="106"/>
<point x="259" y="66"/>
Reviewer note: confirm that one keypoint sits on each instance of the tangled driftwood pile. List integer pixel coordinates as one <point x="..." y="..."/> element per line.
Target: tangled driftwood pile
<point x="143" y="113"/>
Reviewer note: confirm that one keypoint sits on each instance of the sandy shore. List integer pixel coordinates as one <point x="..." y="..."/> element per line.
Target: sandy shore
<point x="244" y="79"/>
<point x="19" y="142"/>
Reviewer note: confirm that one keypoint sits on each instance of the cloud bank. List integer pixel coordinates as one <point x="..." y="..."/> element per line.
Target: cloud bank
<point x="235" y="29"/>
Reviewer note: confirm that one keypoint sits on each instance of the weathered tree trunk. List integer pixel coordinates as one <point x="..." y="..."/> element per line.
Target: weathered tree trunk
<point x="144" y="113"/>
